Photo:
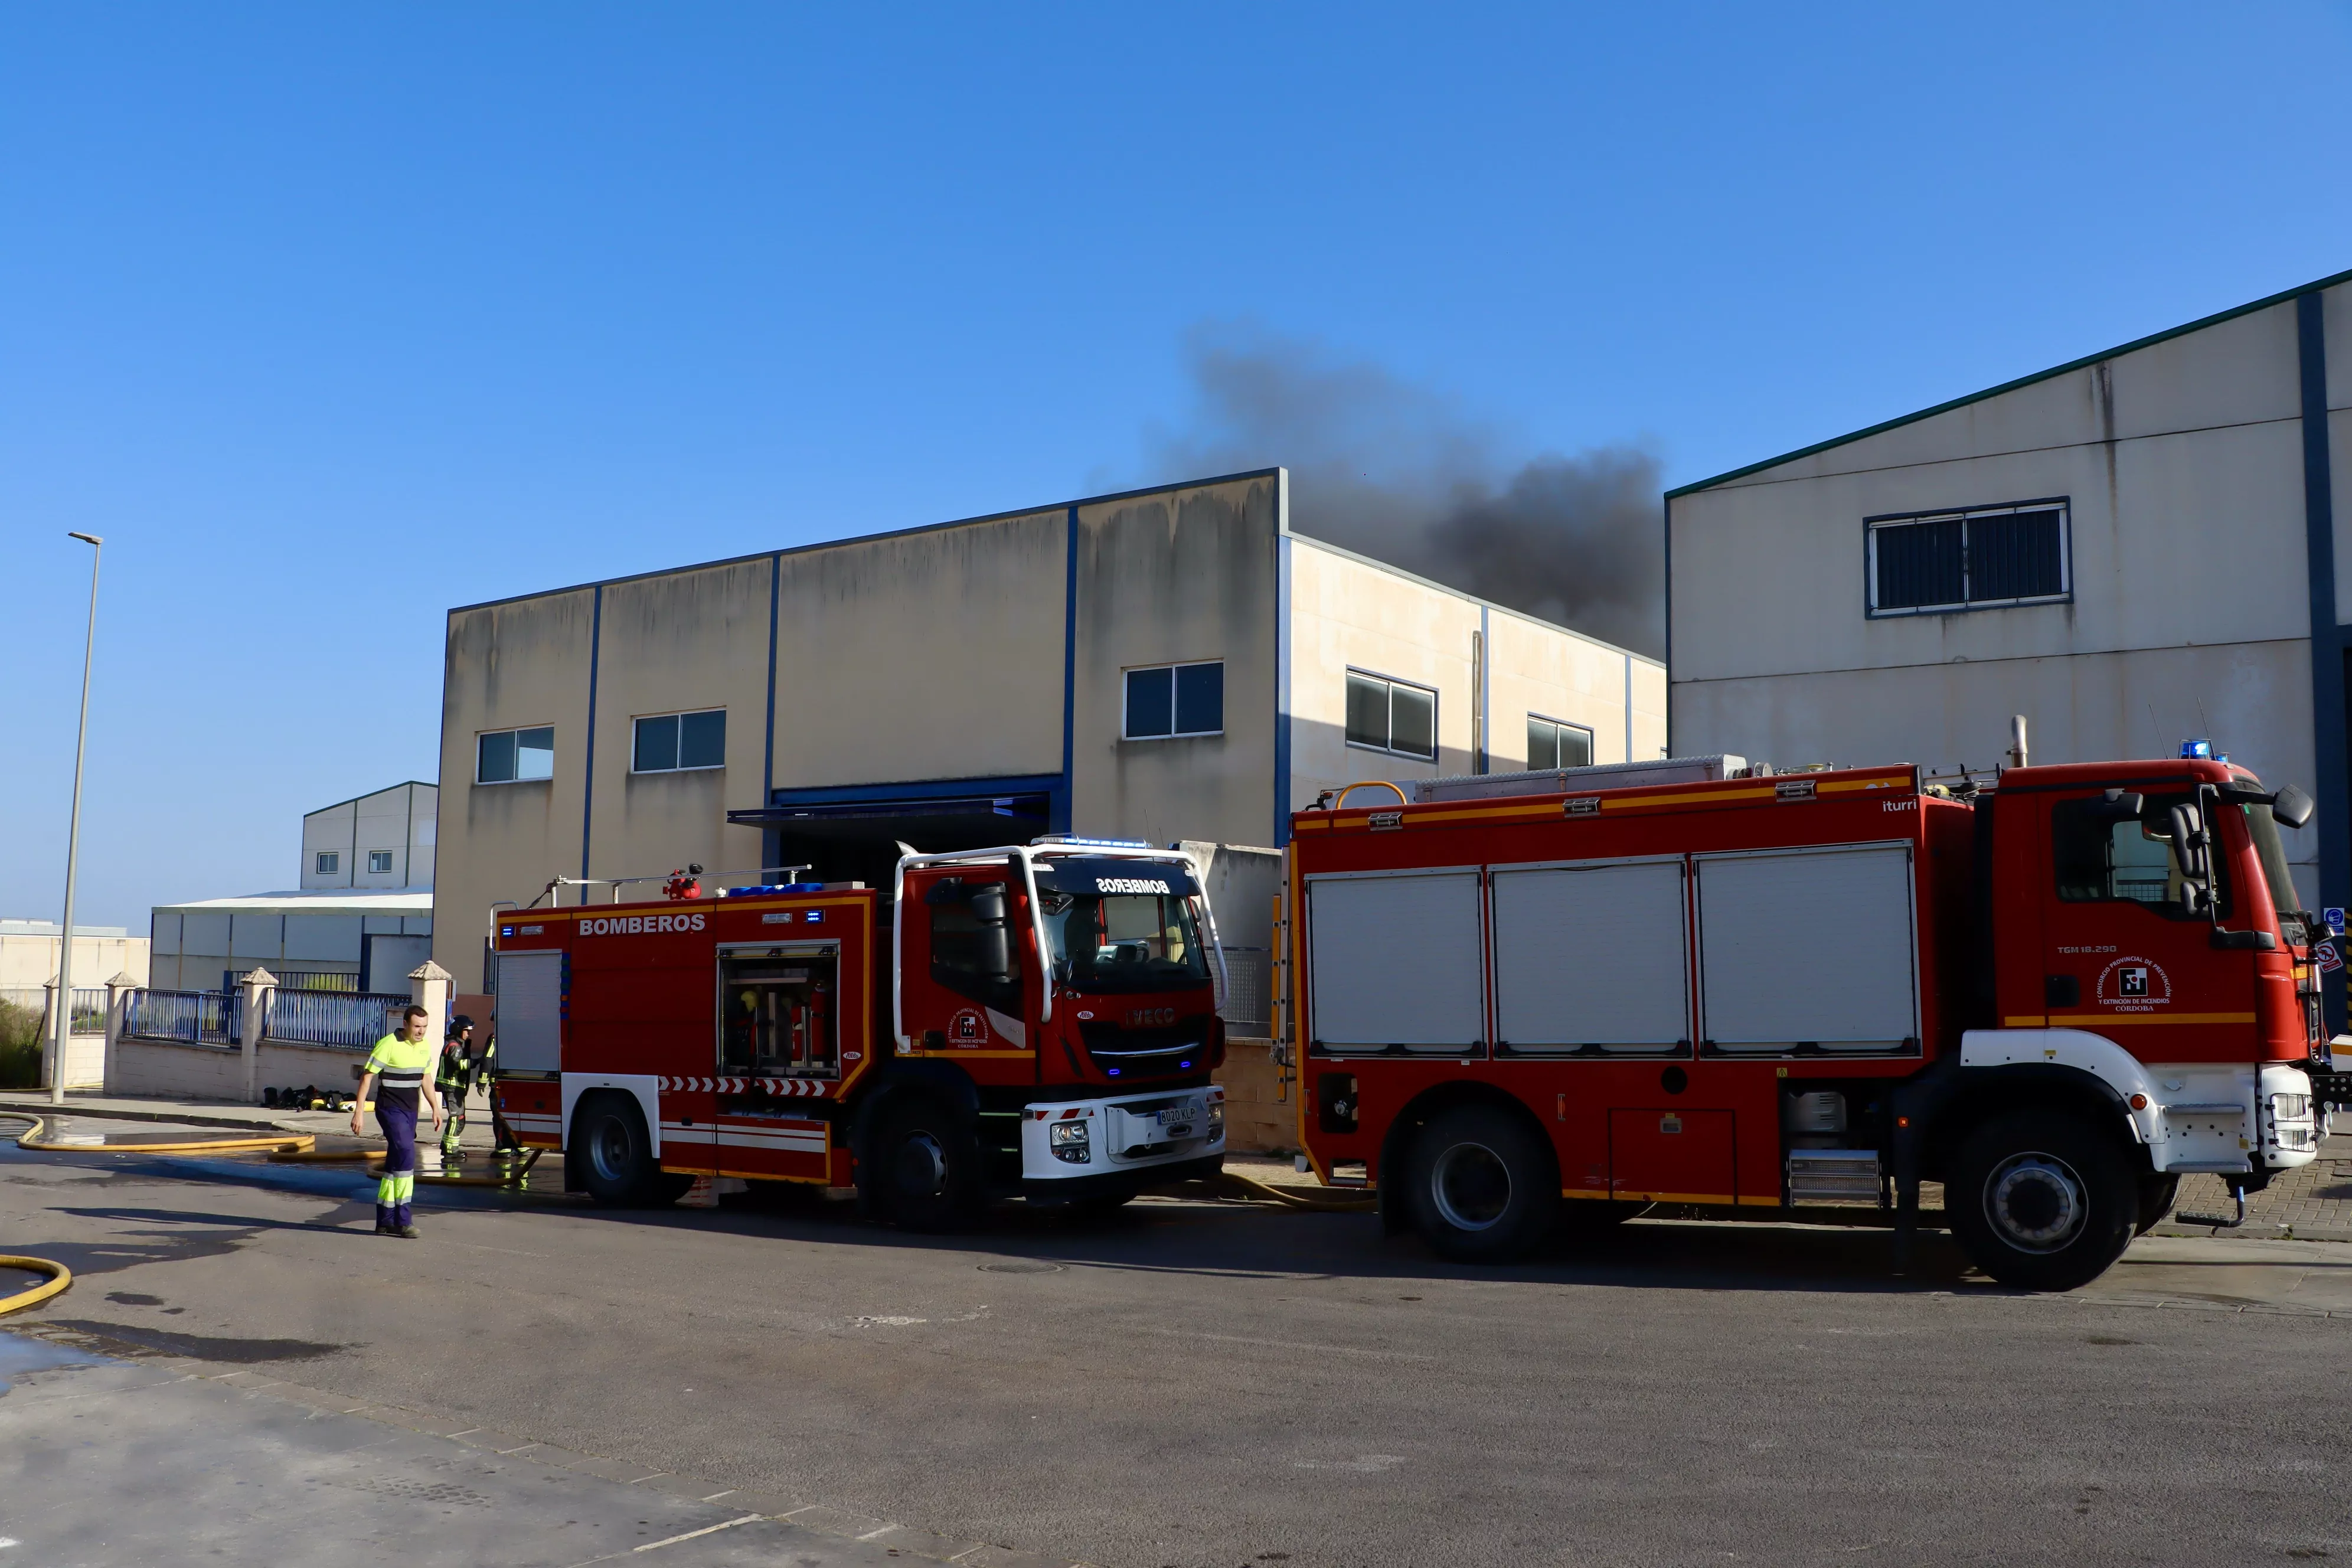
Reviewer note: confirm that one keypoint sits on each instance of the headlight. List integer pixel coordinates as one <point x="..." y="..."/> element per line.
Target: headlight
<point x="2291" y="1107"/>
<point x="1216" y="1115"/>
<point x="1069" y="1140"/>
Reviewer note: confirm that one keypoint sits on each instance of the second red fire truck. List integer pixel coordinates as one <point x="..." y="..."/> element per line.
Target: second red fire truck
<point x="1592" y="991"/>
<point x="1038" y="1019"/>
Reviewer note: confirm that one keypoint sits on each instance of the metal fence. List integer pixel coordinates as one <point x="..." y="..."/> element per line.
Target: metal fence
<point x="1249" y="992"/>
<point x="350" y="1021"/>
<point x="89" y="1005"/>
<point x="192" y="1017"/>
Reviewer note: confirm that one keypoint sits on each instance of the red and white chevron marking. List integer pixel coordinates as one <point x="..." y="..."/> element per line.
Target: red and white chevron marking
<point x="789" y="1087"/>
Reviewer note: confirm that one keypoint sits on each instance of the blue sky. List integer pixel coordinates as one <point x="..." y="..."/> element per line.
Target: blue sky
<point x="330" y="318"/>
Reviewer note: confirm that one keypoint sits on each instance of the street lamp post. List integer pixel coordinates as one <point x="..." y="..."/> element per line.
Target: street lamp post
<point x="73" y="843"/>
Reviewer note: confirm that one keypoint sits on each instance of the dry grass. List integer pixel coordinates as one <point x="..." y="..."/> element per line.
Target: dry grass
<point x="20" y="1046"/>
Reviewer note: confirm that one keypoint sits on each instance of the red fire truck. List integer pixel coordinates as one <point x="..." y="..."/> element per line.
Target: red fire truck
<point x="1693" y="983"/>
<point x="1039" y="1019"/>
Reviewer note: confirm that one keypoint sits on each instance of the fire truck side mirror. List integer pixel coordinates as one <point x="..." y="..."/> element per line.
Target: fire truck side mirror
<point x="2188" y="845"/>
<point x="995" y="939"/>
<point x="2291" y="807"/>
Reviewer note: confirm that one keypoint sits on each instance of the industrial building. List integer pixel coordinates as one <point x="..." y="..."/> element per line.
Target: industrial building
<point x="360" y="918"/>
<point x="1164" y="664"/>
<point x="2129" y="550"/>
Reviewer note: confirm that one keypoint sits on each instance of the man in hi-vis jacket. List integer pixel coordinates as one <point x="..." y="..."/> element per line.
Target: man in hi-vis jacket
<point x="398" y="1071"/>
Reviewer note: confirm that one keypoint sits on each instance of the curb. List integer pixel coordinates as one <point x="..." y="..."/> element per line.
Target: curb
<point x="900" y="1540"/>
<point x="2253" y="1230"/>
<point x="184" y="1117"/>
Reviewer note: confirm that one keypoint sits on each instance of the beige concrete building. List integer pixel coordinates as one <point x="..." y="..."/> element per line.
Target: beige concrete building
<point x="2132" y="549"/>
<point x="1164" y="664"/>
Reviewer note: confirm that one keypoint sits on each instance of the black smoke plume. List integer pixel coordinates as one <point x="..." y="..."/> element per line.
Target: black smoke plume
<point x="1401" y="473"/>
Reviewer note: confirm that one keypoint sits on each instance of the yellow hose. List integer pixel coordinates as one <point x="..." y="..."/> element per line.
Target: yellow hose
<point x="60" y="1277"/>
<point x="288" y="1141"/>
<point x="304" y="1156"/>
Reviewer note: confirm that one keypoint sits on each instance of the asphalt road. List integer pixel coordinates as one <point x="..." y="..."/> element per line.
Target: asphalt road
<point x="1191" y="1384"/>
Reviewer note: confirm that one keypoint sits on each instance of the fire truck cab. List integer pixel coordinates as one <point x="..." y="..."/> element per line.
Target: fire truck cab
<point x="1693" y="984"/>
<point x="1038" y="1020"/>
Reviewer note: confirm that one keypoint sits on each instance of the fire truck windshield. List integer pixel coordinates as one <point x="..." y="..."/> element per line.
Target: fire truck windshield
<point x="1125" y="942"/>
<point x="2264" y="829"/>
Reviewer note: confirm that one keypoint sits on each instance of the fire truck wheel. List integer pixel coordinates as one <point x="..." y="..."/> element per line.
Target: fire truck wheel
<point x="616" y="1162"/>
<point x="2157" y="1196"/>
<point x="1481" y="1185"/>
<point x="926" y="1167"/>
<point x="2041" y="1201"/>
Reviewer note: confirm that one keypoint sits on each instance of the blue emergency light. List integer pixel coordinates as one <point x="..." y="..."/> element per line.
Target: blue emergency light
<point x="2197" y="751"/>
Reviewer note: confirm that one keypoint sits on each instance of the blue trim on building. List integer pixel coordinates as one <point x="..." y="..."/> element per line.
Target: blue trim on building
<point x="767" y="747"/>
<point x="926" y="789"/>
<point x="2332" y="767"/>
<point x="1485" y="692"/>
<point x="1667" y="511"/>
<point x="588" y="764"/>
<point x="1282" y="666"/>
<point x="1061" y="819"/>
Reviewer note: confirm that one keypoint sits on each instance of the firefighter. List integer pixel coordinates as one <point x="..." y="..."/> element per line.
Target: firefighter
<point x="508" y="1148"/>
<point x="396" y="1074"/>
<point x="460" y="1070"/>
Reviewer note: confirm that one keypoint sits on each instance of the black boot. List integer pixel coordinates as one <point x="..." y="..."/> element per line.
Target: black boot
<point x="386" y="1222"/>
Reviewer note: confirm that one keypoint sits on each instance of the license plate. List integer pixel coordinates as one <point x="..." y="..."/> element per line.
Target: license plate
<point x="1181" y="1116"/>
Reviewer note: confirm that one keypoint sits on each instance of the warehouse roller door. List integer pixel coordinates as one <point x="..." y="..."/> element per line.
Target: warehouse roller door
<point x="1394" y="960"/>
<point x="1808" y="948"/>
<point x="1591" y="955"/>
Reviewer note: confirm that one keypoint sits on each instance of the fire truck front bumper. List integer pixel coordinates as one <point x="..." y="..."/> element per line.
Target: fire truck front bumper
<point x="1072" y="1148"/>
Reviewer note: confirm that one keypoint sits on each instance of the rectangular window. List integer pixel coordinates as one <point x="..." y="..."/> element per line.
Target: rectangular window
<point x="515" y="756"/>
<point x="330" y="863"/>
<point x="379" y="862"/>
<point x="672" y="742"/>
<point x="1391" y="716"/>
<point x="1552" y="744"/>
<point x="1169" y="699"/>
<point x="1978" y="558"/>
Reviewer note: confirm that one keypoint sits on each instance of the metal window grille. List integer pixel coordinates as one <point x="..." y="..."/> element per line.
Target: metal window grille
<point x="1978" y="558"/>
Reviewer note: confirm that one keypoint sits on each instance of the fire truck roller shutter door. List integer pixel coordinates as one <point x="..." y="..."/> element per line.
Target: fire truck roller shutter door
<point x="1395" y="961"/>
<point x="1807" y="947"/>
<point x="1591" y="955"/>
<point x="531" y="1011"/>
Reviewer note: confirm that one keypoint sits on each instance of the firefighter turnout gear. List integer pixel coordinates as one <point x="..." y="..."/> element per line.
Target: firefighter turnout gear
<point x="461" y="1067"/>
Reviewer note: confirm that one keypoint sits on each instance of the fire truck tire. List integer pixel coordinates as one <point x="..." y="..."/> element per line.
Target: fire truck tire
<point x="925" y="1168"/>
<point x="2043" y="1201"/>
<point x="616" y="1157"/>
<point x="2157" y="1196"/>
<point x="1481" y="1185"/>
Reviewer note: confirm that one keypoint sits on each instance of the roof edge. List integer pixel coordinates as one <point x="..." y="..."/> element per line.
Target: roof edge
<point x="877" y="538"/>
<point x="2087" y="360"/>
<point x="1463" y="594"/>
<point x="404" y="783"/>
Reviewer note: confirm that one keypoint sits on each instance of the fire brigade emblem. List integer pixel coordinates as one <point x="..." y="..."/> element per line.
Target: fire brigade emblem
<point x="966" y="1028"/>
<point x="2133" y="985"/>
